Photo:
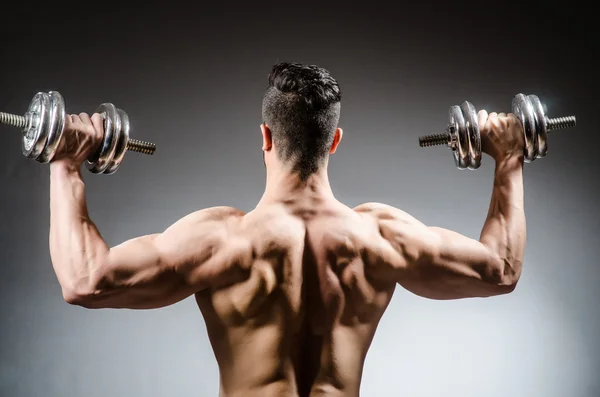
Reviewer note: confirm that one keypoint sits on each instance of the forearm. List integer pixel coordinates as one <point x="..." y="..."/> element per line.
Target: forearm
<point x="504" y="231"/>
<point x="76" y="247"/>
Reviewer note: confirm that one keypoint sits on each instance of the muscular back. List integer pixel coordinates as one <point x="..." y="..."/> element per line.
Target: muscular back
<point x="298" y="313"/>
<point x="291" y="292"/>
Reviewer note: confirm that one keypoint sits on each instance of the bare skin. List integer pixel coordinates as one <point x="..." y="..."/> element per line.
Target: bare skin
<point x="292" y="291"/>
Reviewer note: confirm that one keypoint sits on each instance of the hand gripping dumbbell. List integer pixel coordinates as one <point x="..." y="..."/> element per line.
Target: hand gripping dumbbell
<point x="463" y="137"/>
<point x="43" y="127"/>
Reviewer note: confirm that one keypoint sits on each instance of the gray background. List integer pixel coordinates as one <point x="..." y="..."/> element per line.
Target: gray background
<point x="192" y="79"/>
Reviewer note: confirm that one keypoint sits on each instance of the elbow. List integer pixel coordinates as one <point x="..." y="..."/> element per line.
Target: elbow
<point x="511" y="274"/>
<point x="510" y="277"/>
<point x="83" y="292"/>
<point x="507" y="286"/>
<point x="78" y="297"/>
<point x="73" y="297"/>
<point x="505" y="276"/>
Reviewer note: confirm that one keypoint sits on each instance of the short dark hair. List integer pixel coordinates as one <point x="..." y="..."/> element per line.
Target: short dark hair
<point x="301" y="106"/>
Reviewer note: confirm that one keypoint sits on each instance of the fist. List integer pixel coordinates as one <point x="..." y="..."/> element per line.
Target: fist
<point x="82" y="138"/>
<point x="501" y="135"/>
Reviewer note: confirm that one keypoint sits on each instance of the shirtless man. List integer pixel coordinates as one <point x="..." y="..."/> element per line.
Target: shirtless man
<point x="292" y="291"/>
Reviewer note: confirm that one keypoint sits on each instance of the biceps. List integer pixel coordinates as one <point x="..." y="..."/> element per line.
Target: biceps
<point x="451" y="266"/>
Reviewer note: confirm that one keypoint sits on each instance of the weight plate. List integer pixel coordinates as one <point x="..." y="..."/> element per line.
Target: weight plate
<point x="460" y="147"/>
<point x="56" y="124"/>
<point x="34" y="138"/>
<point x="541" y="126"/>
<point x="121" y="148"/>
<point x="523" y="109"/>
<point x="473" y="135"/>
<point x="98" y="163"/>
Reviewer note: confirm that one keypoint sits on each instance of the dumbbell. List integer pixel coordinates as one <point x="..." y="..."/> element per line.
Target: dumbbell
<point x="463" y="137"/>
<point x="43" y="126"/>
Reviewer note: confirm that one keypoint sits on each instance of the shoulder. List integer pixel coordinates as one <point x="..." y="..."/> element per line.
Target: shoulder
<point x="201" y="233"/>
<point x="212" y="219"/>
<point x="403" y="233"/>
<point x="213" y="214"/>
<point x="383" y="212"/>
<point x="220" y="212"/>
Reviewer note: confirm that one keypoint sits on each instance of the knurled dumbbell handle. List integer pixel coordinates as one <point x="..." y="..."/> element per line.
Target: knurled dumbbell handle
<point x="133" y="145"/>
<point x="556" y="123"/>
<point x="13" y="120"/>
<point x="434" y="140"/>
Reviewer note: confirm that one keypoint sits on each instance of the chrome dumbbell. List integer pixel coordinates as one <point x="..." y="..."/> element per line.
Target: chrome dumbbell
<point x="43" y="127"/>
<point x="463" y="137"/>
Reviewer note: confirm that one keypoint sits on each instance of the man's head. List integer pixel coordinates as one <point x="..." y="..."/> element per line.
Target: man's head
<point x="301" y="110"/>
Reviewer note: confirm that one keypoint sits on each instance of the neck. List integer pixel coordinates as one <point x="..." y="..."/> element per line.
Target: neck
<point x="283" y="185"/>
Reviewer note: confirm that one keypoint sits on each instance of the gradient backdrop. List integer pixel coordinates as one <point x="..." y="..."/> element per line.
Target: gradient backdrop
<point x="192" y="80"/>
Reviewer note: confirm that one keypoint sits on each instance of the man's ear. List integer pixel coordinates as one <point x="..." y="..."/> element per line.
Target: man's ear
<point x="266" y="136"/>
<point x="339" y="133"/>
